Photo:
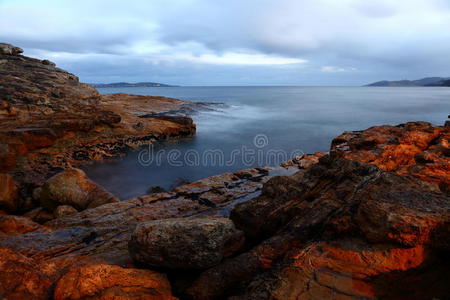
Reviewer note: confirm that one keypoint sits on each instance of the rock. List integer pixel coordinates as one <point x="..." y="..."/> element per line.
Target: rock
<point x="103" y="232"/>
<point x="179" y="182"/>
<point x="184" y="243"/>
<point x="64" y="210"/>
<point x="39" y="215"/>
<point x="352" y="269"/>
<point x="9" y="193"/>
<point x="416" y="148"/>
<point x="8" y="49"/>
<point x="339" y="228"/>
<point x="333" y="200"/>
<point x="72" y="187"/>
<point x="102" y="281"/>
<point x="49" y="121"/>
<point x="48" y="63"/>
<point x="155" y="190"/>
<point x="10" y="224"/>
<point x="23" y="278"/>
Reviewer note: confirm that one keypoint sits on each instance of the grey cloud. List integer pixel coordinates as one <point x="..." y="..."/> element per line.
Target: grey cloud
<point x="141" y="39"/>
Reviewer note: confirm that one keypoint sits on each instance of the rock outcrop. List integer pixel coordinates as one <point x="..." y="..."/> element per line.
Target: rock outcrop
<point x="185" y="243"/>
<point x="50" y="122"/>
<point x="365" y="219"/>
<point x="417" y="148"/>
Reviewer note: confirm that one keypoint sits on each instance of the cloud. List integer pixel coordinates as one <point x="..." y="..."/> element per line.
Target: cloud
<point x="335" y="69"/>
<point x="318" y="39"/>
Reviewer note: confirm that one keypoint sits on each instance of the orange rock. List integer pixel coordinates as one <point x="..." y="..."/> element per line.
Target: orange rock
<point x="14" y="224"/>
<point x="112" y="282"/>
<point x="72" y="187"/>
<point x="23" y="278"/>
<point x="415" y="148"/>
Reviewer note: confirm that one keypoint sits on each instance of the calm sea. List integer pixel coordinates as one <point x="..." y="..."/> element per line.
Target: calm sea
<point x="262" y="126"/>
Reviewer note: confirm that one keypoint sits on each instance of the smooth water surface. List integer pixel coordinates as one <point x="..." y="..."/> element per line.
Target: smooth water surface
<point x="262" y="126"/>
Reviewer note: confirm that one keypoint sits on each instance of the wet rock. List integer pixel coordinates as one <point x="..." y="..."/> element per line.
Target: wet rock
<point x="179" y="182"/>
<point x="8" y="49"/>
<point x="9" y="193"/>
<point x="155" y="190"/>
<point x="184" y="243"/>
<point x="102" y="281"/>
<point x="64" y="210"/>
<point x="72" y="187"/>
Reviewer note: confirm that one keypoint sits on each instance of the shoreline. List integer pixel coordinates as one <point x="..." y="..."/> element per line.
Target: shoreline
<point x="355" y="221"/>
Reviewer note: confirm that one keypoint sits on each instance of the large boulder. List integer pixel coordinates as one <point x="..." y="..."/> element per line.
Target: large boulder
<point x="184" y="243"/>
<point x="112" y="282"/>
<point x="72" y="187"/>
<point x="9" y="193"/>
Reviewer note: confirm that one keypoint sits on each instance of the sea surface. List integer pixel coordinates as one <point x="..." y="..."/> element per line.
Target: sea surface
<point x="261" y="126"/>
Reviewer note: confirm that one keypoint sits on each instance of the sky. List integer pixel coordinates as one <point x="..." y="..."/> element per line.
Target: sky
<point x="234" y="42"/>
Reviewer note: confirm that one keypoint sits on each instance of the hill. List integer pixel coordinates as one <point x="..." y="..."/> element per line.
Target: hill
<point x="428" y="81"/>
<point x="440" y="83"/>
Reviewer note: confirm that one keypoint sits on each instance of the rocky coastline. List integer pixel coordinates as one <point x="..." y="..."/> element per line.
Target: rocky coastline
<point x="370" y="219"/>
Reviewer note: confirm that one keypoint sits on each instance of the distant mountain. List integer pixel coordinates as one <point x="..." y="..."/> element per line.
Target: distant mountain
<point x="428" y="81"/>
<point x="127" y="84"/>
<point x="440" y="83"/>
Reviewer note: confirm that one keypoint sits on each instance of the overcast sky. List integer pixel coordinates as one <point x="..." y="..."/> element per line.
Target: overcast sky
<point x="235" y="42"/>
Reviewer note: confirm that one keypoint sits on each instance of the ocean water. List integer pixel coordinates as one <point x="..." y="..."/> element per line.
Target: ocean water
<point x="261" y="126"/>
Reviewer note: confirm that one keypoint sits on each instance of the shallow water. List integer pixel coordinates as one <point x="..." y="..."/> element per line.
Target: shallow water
<point x="262" y="126"/>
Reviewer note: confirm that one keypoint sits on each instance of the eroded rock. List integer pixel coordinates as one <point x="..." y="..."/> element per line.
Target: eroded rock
<point x="49" y="121"/>
<point x="331" y="201"/>
<point x="184" y="243"/>
<point x="23" y="278"/>
<point x="73" y="188"/>
<point x="416" y="148"/>
<point x="102" y="281"/>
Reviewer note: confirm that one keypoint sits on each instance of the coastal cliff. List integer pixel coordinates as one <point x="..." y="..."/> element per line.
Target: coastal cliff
<point x="370" y="219"/>
<point x="49" y="121"/>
